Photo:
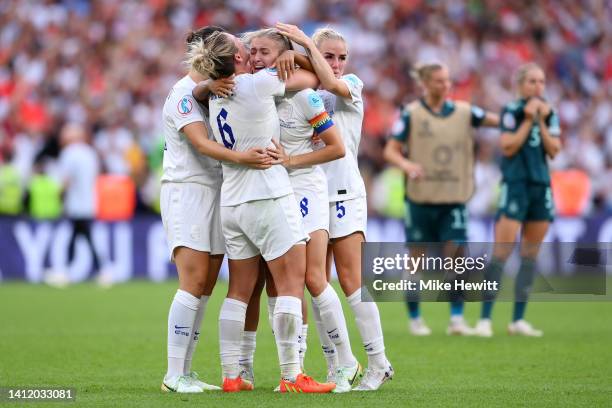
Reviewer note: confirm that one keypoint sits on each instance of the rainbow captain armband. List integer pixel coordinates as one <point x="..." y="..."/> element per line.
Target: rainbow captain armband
<point x="321" y="122"/>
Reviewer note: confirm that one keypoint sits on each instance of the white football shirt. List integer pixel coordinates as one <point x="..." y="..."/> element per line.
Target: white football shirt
<point x="343" y="176"/>
<point x="246" y="120"/>
<point x="299" y="113"/>
<point x="182" y="162"/>
<point x="79" y="166"/>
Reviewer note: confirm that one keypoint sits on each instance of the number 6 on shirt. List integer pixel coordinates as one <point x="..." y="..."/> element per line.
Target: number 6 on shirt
<point x="226" y="130"/>
<point x="341" y="210"/>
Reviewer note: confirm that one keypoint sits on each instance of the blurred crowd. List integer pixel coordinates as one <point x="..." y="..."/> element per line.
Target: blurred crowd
<point x="109" y="64"/>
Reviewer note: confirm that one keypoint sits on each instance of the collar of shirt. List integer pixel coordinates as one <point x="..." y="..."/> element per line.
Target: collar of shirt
<point x="448" y="107"/>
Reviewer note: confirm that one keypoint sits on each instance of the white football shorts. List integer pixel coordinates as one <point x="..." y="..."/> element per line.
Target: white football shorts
<point x="346" y="217"/>
<point x="268" y="227"/>
<point x="313" y="202"/>
<point x="192" y="217"/>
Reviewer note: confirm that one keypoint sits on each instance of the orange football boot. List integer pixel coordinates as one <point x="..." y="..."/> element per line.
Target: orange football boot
<point x="305" y="384"/>
<point x="237" y="384"/>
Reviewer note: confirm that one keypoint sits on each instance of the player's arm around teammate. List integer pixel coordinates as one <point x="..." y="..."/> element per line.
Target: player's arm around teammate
<point x="328" y="53"/>
<point x="530" y="133"/>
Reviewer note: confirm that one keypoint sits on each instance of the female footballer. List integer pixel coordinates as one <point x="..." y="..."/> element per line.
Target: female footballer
<point x="341" y="94"/>
<point x="259" y="214"/>
<point x="530" y="133"/>
<point x="300" y="113"/>
<point x="437" y="133"/>
<point x="191" y="183"/>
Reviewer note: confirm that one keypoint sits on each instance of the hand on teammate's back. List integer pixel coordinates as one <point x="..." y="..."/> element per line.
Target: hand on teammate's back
<point x="278" y="154"/>
<point x="257" y="158"/>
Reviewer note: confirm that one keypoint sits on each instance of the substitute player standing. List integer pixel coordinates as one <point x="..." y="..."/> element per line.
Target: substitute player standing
<point x="530" y="133"/>
<point x="342" y="96"/>
<point x="191" y="184"/>
<point x="437" y="133"/>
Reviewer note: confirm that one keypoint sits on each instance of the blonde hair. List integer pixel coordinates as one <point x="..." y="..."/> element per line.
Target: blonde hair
<point x="273" y="34"/>
<point x="422" y="71"/>
<point x="523" y="70"/>
<point x="212" y="57"/>
<point x="327" y="33"/>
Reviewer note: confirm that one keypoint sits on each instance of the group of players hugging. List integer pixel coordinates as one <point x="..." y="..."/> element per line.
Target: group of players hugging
<point x="260" y="164"/>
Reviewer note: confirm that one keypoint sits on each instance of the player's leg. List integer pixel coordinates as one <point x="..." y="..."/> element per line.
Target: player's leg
<point x="214" y="266"/>
<point x="347" y="255"/>
<point x="303" y="338"/>
<point x="506" y="230"/>
<point x="328" y="313"/>
<point x="72" y="240"/>
<point x="249" y="336"/>
<point x="244" y="258"/>
<point x="282" y="243"/>
<point x="329" y="259"/>
<point x="192" y="267"/>
<point x="288" y="272"/>
<point x="328" y="347"/>
<point x="191" y="253"/>
<point x="85" y="231"/>
<point x="417" y="225"/>
<point x="242" y="280"/>
<point x="532" y="236"/>
<point x="452" y="228"/>
<point x="207" y="213"/>
<point x="513" y="205"/>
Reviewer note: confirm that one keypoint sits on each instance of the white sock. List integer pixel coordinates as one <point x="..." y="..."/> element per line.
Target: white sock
<point x="271" y="305"/>
<point x="328" y="346"/>
<point x="231" y="326"/>
<point x="247" y="348"/>
<point x="287" y="322"/>
<point x="181" y="320"/>
<point x="368" y="324"/>
<point x="303" y="345"/>
<point x="456" y="319"/>
<point x="193" y="343"/>
<point x="334" y="325"/>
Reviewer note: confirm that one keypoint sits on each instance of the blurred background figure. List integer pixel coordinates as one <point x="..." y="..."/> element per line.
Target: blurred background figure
<point x="436" y="133"/>
<point x="79" y="168"/>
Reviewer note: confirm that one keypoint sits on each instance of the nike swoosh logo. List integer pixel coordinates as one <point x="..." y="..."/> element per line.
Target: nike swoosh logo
<point x="180" y="327"/>
<point x="330" y="332"/>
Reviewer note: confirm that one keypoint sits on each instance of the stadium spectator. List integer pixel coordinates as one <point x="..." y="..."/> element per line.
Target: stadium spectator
<point x="115" y="59"/>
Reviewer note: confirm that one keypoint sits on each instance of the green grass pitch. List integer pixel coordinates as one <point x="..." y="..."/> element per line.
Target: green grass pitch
<point x="110" y="345"/>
